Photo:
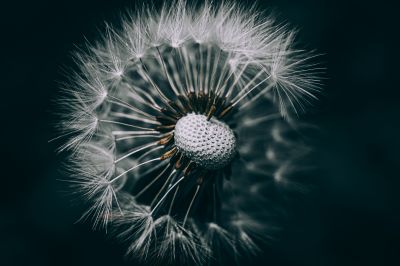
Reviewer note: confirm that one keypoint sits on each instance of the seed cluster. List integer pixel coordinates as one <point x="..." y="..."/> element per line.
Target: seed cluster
<point x="158" y="114"/>
<point x="197" y="138"/>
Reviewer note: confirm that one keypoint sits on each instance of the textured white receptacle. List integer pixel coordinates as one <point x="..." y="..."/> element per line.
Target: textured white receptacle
<point x="210" y="144"/>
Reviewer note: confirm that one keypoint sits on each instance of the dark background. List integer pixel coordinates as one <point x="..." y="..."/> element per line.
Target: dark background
<point x="352" y="218"/>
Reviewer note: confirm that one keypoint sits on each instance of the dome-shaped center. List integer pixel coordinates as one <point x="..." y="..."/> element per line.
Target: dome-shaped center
<point x="210" y="144"/>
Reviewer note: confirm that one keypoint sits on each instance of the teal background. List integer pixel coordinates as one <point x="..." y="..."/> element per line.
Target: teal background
<point x="351" y="218"/>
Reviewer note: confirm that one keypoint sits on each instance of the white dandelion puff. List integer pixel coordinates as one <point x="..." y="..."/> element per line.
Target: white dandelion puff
<point x="138" y="229"/>
<point x="93" y="166"/>
<point x="181" y="124"/>
<point x="180" y="244"/>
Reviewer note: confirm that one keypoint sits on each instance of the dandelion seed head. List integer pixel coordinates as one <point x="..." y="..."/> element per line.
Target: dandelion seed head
<point x="179" y="124"/>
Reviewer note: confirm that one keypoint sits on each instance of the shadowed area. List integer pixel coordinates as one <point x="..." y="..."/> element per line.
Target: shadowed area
<point x="350" y="214"/>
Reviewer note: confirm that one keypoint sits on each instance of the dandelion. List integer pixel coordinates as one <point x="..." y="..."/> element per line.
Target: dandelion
<point x="179" y="124"/>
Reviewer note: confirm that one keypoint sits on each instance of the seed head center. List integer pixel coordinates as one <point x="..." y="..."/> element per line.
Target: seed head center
<point x="210" y="144"/>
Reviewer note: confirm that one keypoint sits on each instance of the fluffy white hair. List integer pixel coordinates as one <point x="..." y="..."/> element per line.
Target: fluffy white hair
<point x="120" y="109"/>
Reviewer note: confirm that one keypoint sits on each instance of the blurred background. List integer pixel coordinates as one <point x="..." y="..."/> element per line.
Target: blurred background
<point x="351" y="218"/>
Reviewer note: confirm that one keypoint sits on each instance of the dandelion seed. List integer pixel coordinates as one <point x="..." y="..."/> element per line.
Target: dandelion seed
<point x="178" y="124"/>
